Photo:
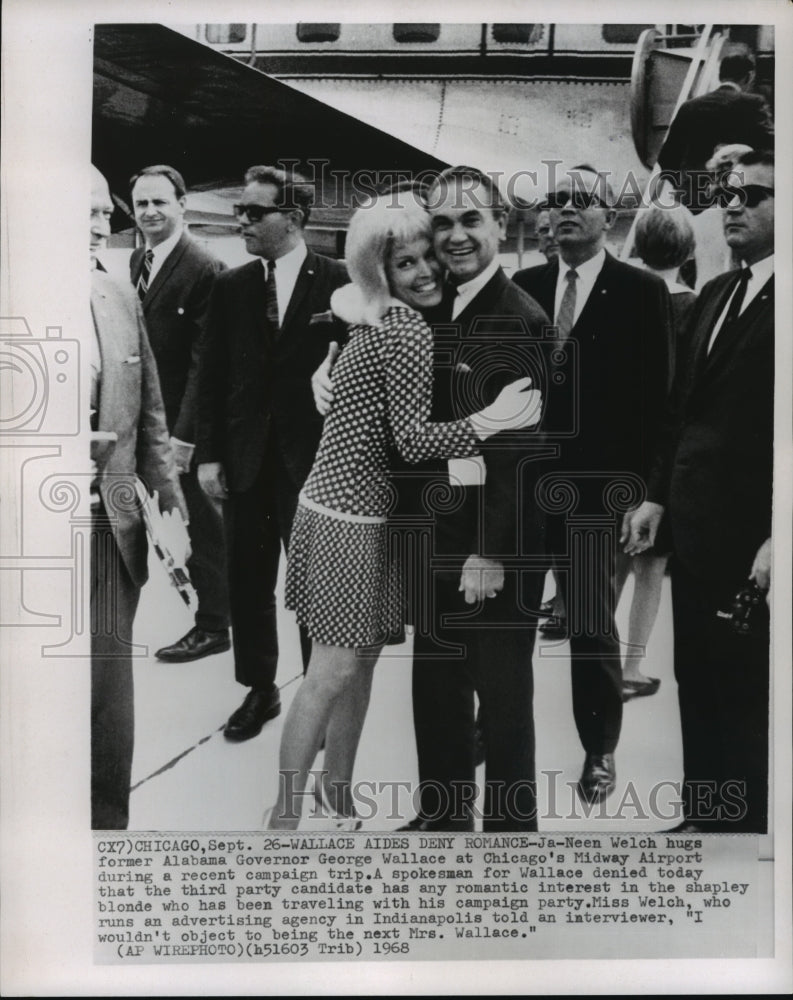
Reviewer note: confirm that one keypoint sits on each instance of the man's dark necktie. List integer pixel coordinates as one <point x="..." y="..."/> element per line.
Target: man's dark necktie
<point x="271" y="298"/>
<point x="736" y="302"/>
<point x="565" y="319"/>
<point x="145" y="274"/>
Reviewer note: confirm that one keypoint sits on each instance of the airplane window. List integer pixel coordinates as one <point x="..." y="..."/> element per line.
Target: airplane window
<point x="624" y="33"/>
<point x="318" y="32"/>
<point x="226" y="34"/>
<point x="513" y="32"/>
<point x="417" y="32"/>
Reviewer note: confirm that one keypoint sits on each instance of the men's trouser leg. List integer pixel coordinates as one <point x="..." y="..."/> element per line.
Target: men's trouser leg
<point x="443" y="715"/>
<point x="207" y="563"/>
<point x="723" y="688"/>
<point x="114" y="600"/>
<point x="254" y="548"/>
<point x="596" y="661"/>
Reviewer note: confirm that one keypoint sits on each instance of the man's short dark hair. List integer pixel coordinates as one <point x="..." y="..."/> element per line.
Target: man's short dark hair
<point x="294" y="190"/>
<point x="605" y="189"/>
<point x="161" y="170"/>
<point x="464" y="174"/>
<point x="736" y="67"/>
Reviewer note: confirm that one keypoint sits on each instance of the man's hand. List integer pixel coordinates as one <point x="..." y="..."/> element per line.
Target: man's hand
<point x="761" y="567"/>
<point x="212" y="480"/>
<point x="640" y="526"/>
<point x="321" y="382"/>
<point x="182" y="455"/>
<point x="481" y="578"/>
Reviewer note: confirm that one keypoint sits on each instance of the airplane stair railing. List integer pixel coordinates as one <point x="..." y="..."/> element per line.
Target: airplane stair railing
<point x="664" y="76"/>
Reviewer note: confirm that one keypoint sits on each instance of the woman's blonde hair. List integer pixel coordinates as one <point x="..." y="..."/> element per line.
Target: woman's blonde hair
<point x="374" y="230"/>
<point x="664" y="237"/>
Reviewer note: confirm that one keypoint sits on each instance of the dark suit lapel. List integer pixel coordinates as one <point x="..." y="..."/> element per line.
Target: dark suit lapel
<point x="728" y="343"/>
<point x="167" y="269"/>
<point x="698" y="358"/>
<point x="136" y="265"/>
<point x="600" y="299"/>
<point x="254" y="297"/>
<point x="546" y="287"/>
<point x="484" y="300"/>
<point x="705" y="368"/>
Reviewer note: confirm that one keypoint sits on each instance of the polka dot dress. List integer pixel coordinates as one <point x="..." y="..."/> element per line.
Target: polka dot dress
<point x="343" y="574"/>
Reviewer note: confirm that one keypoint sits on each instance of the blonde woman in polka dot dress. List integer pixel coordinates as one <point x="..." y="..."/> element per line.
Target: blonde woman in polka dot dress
<point x="341" y="580"/>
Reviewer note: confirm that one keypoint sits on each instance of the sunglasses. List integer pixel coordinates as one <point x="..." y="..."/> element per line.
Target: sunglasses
<point x="578" y="199"/>
<point x="750" y="195"/>
<point x="255" y="213"/>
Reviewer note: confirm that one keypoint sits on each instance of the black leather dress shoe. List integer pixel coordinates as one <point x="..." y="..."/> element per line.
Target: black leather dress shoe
<point x="194" y="645"/>
<point x="639" y="689"/>
<point x="259" y="707"/>
<point x="598" y="778"/>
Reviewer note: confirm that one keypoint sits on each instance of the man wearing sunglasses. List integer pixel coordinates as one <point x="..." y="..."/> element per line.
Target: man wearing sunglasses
<point x="713" y="481"/>
<point x="258" y="428"/>
<point x="613" y="325"/>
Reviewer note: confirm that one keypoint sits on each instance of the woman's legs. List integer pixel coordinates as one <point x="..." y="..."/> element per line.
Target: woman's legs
<point x="320" y="698"/>
<point x="649" y="571"/>
<point x="344" y="733"/>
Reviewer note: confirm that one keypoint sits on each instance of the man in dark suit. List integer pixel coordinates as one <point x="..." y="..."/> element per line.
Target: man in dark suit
<point x="126" y="405"/>
<point x="258" y="427"/>
<point x="730" y="114"/>
<point x="614" y="333"/>
<point x="713" y="478"/>
<point x="482" y="580"/>
<point x="173" y="277"/>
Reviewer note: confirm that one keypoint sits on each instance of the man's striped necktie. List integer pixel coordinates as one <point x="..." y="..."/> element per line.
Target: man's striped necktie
<point x="565" y="319"/>
<point x="143" y="280"/>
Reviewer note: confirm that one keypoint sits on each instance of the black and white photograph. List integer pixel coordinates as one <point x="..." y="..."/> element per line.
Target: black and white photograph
<point x="396" y="500"/>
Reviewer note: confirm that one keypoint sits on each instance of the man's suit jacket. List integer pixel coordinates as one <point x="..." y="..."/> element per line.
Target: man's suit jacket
<point x="725" y="115"/>
<point x="255" y="385"/>
<point x="715" y="464"/>
<point x="606" y="413"/>
<point x="175" y="308"/>
<point x="495" y="340"/>
<point x="130" y="404"/>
